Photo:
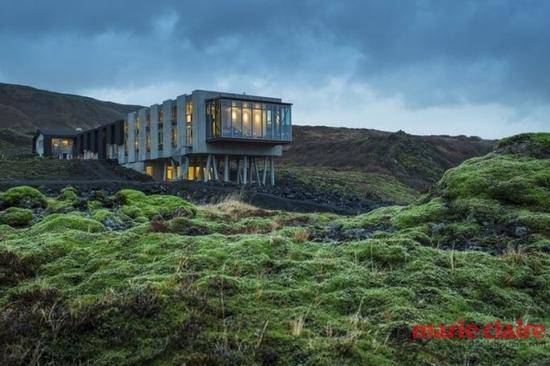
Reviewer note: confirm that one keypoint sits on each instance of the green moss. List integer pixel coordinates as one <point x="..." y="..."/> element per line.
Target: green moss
<point x="22" y="196"/>
<point x="15" y="216"/>
<point x="215" y="286"/>
<point x="433" y="211"/>
<point x="62" y="222"/>
<point x="366" y="185"/>
<point x="505" y="178"/>
<point x="136" y="203"/>
<point x="534" y="139"/>
<point x="68" y="194"/>
<point x="6" y="231"/>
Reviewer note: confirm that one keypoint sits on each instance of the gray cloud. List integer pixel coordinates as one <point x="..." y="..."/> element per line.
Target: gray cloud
<point x="416" y="56"/>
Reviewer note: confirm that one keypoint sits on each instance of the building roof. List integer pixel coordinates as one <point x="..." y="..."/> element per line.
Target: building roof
<point x="58" y="131"/>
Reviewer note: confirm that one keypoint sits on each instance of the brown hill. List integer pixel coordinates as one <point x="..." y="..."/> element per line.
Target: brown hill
<point x="23" y="108"/>
<point x="417" y="161"/>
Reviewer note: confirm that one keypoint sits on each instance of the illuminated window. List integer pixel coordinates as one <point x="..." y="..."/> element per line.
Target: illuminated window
<point x="247" y="120"/>
<point x="188" y="122"/>
<point x="148" y="141"/>
<point x="188" y="111"/>
<point x="174" y="136"/>
<point x="189" y="135"/>
<point x="169" y="173"/>
<point x="257" y="121"/>
<point x="161" y="116"/>
<point x="149" y="170"/>
<point x="236" y="119"/>
<point x="174" y="113"/>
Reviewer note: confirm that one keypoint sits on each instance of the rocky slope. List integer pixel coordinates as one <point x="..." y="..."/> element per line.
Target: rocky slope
<point x="416" y="161"/>
<point x="24" y="109"/>
<point x="136" y="279"/>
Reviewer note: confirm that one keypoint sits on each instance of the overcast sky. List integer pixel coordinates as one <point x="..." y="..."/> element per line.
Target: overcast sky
<point x="426" y="67"/>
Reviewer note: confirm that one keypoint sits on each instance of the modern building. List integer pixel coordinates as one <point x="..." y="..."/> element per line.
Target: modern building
<point x="204" y="135"/>
<point x="54" y="142"/>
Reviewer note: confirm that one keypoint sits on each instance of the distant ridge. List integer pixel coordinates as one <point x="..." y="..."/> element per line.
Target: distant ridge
<point x="24" y="108"/>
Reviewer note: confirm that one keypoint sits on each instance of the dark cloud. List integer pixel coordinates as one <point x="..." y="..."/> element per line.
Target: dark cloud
<point x="427" y="54"/>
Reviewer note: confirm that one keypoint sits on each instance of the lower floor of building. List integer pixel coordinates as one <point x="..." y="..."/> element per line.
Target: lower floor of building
<point x="210" y="167"/>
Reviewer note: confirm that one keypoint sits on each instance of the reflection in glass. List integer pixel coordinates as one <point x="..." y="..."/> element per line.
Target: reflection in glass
<point x="247" y="120"/>
<point x="243" y="119"/>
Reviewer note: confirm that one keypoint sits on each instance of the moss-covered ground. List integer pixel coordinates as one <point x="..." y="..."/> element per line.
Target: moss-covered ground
<point x="366" y="185"/>
<point x="134" y="279"/>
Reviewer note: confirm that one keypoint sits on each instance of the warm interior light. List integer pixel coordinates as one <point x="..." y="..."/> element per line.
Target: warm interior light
<point x="233" y="115"/>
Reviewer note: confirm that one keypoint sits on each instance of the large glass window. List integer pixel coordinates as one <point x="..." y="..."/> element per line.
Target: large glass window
<point x="236" y="121"/>
<point x="257" y="121"/>
<point x="248" y="120"/>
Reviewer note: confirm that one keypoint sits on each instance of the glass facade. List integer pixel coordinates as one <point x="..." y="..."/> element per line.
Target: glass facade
<point x="241" y="119"/>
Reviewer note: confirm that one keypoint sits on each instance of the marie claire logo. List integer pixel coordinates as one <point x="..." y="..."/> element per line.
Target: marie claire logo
<point x="494" y="330"/>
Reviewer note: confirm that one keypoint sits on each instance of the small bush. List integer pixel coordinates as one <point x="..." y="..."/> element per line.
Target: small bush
<point x="23" y="196"/>
<point x="15" y="216"/>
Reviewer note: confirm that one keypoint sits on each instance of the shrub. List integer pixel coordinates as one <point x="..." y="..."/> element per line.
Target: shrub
<point x="15" y="216"/>
<point x="23" y="196"/>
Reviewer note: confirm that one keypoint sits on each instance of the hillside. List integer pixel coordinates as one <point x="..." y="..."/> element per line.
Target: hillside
<point x="416" y="161"/>
<point x="24" y="109"/>
<point x="134" y="279"/>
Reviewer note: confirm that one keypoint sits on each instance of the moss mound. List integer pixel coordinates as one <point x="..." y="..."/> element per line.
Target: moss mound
<point x="15" y="216"/>
<point x="63" y="222"/>
<point x="23" y="196"/>
<point x="532" y="144"/>
<point x="68" y="194"/>
<point x="136" y="204"/>
<point x="233" y="284"/>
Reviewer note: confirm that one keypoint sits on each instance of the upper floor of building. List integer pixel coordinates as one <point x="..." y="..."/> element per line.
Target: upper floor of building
<point x="207" y="122"/>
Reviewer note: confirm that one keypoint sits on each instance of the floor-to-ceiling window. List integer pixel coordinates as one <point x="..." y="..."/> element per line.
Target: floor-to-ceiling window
<point x="248" y="120"/>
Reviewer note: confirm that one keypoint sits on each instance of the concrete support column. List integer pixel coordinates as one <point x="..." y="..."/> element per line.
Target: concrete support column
<point x="174" y="171"/>
<point x="226" y="169"/>
<point x="215" y="166"/>
<point x="207" y="170"/>
<point x="265" y="171"/>
<point x="185" y="168"/>
<point x="245" y="170"/>
<point x="257" y="172"/>
<point x="239" y="178"/>
<point x="272" y="163"/>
